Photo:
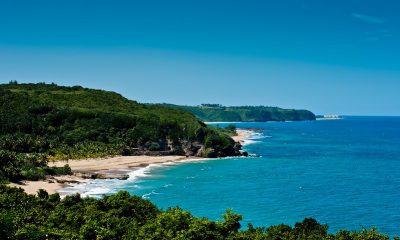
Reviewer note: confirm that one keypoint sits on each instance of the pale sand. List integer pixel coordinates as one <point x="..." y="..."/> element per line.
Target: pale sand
<point x="50" y="185"/>
<point x="109" y="164"/>
<point x="242" y="135"/>
<point x="31" y="187"/>
<point x="117" y="162"/>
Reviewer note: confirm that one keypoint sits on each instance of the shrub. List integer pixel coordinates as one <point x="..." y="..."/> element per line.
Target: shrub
<point x="33" y="174"/>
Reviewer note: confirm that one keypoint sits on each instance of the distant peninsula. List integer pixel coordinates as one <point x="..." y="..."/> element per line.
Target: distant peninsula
<point x="219" y="113"/>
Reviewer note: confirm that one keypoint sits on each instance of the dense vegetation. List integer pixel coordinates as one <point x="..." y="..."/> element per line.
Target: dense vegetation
<point x="16" y="166"/>
<point x="218" y="113"/>
<point x="42" y="122"/>
<point x="122" y="216"/>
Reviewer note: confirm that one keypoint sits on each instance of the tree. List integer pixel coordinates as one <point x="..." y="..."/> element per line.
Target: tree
<point x="231" y="127"/>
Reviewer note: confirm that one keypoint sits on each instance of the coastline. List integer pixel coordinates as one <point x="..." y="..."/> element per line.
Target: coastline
<point x="115" y="167"/>
<point x="243" y="135"/>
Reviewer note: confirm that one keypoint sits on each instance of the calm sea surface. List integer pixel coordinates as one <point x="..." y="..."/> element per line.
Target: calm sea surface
<point x="345" y="173"/>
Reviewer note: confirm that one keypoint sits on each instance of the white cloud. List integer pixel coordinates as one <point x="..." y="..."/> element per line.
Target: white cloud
<point x="367" y="18"/>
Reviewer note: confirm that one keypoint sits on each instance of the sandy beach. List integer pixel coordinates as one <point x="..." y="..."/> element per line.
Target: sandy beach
<point x="31" y="187"/>
<point x="242" y="135"/>
<point x="111" y="166"/>
<point x="116" y="163"/>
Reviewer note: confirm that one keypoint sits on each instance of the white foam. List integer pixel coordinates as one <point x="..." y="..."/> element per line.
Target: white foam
<point x="93" y="188"/>
<point x="248" y="142"/>
<point x="258" y="135"/>
<point x="252" y="139"/>
<point x="141" y="172"/>
<point x="97" y="191"/>
<point x="220" y="122"/>
<point x="99" y="188"/>
<point x="147" y="195"/>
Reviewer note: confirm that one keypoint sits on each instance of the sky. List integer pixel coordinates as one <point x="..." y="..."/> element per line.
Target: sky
<point x="331" y="56"/>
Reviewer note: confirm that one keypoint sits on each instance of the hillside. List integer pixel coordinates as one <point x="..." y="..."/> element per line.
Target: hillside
<point x="39" y="122"/>
<point x="218" y="113"/>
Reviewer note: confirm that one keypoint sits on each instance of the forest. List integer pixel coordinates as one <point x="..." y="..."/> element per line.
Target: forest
<point x="45" y="122"/>
<point x="219" y="113"/>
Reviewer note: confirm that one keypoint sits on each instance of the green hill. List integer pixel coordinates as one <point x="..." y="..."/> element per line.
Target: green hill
<point x="218" y="113"/>
<point x="46" y="121"/>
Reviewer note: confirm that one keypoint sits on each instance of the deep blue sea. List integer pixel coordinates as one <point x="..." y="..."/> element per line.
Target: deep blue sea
<point x="345" y="173"/>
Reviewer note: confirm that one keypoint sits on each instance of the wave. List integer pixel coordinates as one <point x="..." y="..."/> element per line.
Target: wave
<point x="92" y="188"/>
<point x="147" y="195"/>
<point x="248" y="142"/>
<point x="142" y="172"/>
<point x="100" y="187"/>
<point x="254" y="137"/>
<point x="258" y="135"/>
<point x="219" y="122"/>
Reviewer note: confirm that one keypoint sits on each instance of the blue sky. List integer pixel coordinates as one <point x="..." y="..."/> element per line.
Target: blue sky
<point x="331" y="56"/>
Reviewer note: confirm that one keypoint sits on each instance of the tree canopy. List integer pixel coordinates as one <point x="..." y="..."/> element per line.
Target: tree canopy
<point x="121" y="216"/>
<point x="41" y="122"/>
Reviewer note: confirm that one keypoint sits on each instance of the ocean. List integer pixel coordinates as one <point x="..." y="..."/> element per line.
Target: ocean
<point x="344" y="173"/>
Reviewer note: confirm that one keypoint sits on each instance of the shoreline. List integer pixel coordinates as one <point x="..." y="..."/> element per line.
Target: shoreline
<point x="115" y="167"/>
<point x="243" y="135"/>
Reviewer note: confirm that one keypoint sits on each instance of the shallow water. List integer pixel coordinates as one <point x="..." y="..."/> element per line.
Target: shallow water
<point x="344" y="173"/>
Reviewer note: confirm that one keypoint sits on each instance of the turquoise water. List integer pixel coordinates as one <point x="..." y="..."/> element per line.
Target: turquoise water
<point x="345" y="173"/>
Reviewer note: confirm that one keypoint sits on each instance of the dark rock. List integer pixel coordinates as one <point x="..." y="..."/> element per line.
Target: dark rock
<point x="118" y="176"/>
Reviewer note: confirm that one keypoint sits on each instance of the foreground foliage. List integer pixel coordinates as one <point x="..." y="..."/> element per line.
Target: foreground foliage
<point x="42" y="122"/>
<point x="122" y="216"/>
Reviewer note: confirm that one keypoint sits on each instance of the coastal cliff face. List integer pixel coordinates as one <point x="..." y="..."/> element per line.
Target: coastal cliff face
<point x="219" y="113"/>
<point x="46" y="121"/>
